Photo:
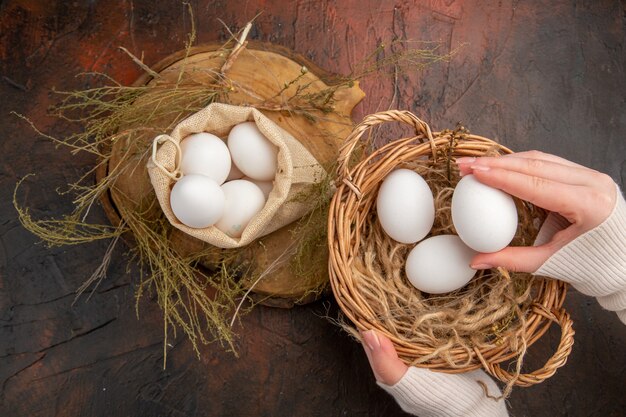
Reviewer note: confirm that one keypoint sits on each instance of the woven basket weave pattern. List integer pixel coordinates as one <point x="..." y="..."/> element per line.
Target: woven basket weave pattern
<point x="350" y="211"/>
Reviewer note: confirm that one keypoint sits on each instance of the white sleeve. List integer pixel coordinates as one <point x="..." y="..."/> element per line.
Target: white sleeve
<point x="434" y="394"/>
<point x="595" y="262"/>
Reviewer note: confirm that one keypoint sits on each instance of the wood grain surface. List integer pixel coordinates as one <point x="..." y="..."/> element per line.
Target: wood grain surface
<point x="534" y="75"/>
<point x="263" y="69"/>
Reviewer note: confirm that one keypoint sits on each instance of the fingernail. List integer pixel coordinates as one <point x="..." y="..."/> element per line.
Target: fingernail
<point x="481" y="266"/>
<point x="465" y="160"/>
<point x="371" y="340"/>
<point x="479" y="168"/>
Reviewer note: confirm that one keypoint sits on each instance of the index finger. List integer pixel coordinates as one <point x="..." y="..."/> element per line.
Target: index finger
<point x="554" y="171"/>
<point x="545" y="193"/>
<point x="544" y="157"/>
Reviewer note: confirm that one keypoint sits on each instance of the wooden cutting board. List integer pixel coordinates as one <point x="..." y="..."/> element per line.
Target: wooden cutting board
<point x="259" y="73"/>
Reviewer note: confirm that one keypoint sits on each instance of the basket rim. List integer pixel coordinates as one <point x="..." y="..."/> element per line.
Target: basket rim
<point x="353" y="183"/>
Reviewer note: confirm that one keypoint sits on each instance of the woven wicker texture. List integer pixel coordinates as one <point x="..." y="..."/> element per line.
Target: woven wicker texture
<point x="492" y="320"/>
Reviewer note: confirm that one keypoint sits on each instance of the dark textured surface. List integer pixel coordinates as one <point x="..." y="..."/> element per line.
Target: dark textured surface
<point x="545" y="75"/>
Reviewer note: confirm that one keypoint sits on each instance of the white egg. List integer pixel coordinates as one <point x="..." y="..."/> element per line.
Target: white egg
<point x="235" y="173"/>
<point x="205" y="154"/>
<point x="405" y="206"/>
<point x="484" y="217"/>
<point x="252" y="152"/>
<point x="440" y="264"/>
<point x="265" y="186"/>
<point x="197" y="201"/>
<point x="243" y="201"/>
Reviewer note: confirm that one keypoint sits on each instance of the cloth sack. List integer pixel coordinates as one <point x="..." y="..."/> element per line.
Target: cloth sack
<point x="297" y="171"/>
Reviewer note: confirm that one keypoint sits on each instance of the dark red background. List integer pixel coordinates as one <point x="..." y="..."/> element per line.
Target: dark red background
<point x="544" y="75"/>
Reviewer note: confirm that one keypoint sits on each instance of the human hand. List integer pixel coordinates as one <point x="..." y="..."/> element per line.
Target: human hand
<point x="581" y="195"/>
<point x="383" y="358"/>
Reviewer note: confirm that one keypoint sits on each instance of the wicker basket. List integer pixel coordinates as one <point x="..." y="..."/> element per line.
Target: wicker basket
<point x="350" y="209"/>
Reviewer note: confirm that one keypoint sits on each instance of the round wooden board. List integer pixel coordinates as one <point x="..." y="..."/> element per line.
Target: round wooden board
<point x="259" y="73"/>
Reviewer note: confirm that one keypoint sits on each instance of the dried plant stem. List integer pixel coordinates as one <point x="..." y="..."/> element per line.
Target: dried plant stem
<point x="241" y="44"/>
<point x="197" y="302"/>
<point x="276" y="263"/>
<point x="100" y="273"/>
<point x="140" y="63"/>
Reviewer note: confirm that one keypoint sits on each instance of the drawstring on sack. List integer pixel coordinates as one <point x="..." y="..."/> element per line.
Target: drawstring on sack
<point x="176" y="174"/>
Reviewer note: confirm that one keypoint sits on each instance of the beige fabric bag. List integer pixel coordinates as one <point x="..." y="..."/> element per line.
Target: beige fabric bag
<point x="297" y="169"/>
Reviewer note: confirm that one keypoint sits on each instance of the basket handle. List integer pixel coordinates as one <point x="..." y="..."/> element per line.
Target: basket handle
<point x="562" y="318"/>
<point x="403" y="116"/>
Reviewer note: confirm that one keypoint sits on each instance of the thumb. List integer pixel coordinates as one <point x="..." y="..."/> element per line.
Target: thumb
<point x="383" y="358"/>
<point x="514" y="258"/>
